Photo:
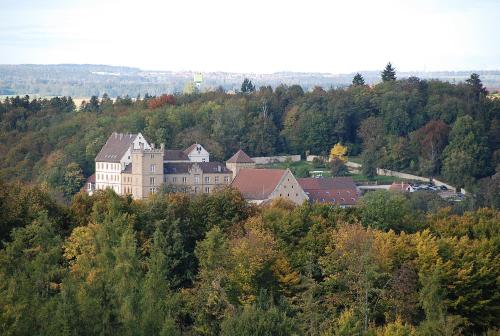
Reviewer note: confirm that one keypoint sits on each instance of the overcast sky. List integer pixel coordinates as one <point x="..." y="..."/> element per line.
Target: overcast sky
<point x="255" y="35"/>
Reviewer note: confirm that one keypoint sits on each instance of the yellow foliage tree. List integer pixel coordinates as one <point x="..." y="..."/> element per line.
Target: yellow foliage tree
<point x="338" y="152"/>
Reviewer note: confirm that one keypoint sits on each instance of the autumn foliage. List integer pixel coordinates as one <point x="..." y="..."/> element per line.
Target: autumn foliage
<point x="164" y="99"/>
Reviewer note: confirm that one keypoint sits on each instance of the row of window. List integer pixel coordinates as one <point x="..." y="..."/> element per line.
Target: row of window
<point x="207" y="190"/>
<point x="106" y="177"/>
<point x="103" y="186"/>
<point x="207" y="179"/>
<point x="152" y="180"/>
<point x="108" y="166"/>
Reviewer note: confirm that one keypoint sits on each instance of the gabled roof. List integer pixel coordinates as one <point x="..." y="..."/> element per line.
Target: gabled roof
<point x="191" y="148"/>
<point x="175" y="155"/>
<point x="116" y="146"/>
<point x="184" y="167"/>
<point x="335" y="190"/>
<point x="257" y="184"/>
<point x="240" y="157"/>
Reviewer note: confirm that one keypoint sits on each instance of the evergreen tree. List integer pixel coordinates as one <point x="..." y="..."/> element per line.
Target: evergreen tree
<point x="247" y="86"/>
<point x="358" y="80"/>
<point x="478" y="90"/>
<point x="389" y="73"/>
<point x="369" y="163"/>
<point x="156" y="289"/>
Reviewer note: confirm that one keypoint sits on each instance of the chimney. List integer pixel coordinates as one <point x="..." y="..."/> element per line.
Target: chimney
<point x="162" y="147"/>
<point x="115" y="134"/>
<point x="121" y="136"/>
<point x="152" y="145"/>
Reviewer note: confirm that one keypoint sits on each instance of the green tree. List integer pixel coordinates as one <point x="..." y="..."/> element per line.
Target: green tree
<point x="213" y="297"/>
<point x="73" y="179"/>
<point x="466" y="156"/>
<point x="369" y="164"/>
<point x="254" y="320"/>
<point x="358" y="80"/>
<point x="478" y="90"/>
<point x="385" y="210"/>
<point x="247" y="86"/>
<point x="389" y="73"/>
<point x="156" y="296"/>
<point x="30" y="274"/>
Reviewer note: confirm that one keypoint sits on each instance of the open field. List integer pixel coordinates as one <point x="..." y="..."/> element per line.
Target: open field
<point x="299" y="167"/>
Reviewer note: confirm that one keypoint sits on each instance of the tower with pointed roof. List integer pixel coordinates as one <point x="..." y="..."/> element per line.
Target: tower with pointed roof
<point x="238" y="161"/>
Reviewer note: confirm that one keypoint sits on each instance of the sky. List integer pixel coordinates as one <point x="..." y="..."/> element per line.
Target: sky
<point x="256" y="36"/>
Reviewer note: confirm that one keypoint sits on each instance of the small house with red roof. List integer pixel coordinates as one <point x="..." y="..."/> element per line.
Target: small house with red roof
<point x="262" y="185"/>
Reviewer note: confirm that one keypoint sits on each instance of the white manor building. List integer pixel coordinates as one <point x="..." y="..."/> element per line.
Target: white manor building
<point x="130" y="165"/>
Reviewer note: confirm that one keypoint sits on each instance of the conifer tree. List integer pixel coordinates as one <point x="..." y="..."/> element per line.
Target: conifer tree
<point x="389" y="73"/>
<point x="358" y="80"/>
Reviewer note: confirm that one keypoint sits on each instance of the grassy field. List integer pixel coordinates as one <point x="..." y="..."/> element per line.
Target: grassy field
<point x="355" y="159"/>
<point x="301" y="166"/>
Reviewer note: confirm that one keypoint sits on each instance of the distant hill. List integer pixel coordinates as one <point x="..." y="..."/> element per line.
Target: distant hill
<point x="85" y="80"/>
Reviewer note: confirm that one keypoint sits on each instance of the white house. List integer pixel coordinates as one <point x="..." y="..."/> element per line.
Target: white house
<point x="114" y="157"/>
<point x="196" y="153"/>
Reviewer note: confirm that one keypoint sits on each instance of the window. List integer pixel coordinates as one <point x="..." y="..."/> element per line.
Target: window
<point x="184" y="180"/>
<point x="207" y="179"/>
<point x="153" y="168"/>
<point x="174" y="179"/>
<point x="207" y="189"/>
<point x="226" y="179"/>
<point x="217" y="179"/>
<point x="152" y="181"/>
<point x="195" y="189"/>
<point x="152" y="156"/>
<point x="152" y="191"/>
<point x="197" y="179"/>
<point x="164" y="179"/>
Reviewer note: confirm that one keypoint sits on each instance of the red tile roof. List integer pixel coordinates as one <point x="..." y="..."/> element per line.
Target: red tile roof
<point x="257" y="184"/>
<point x="240" y="157"/>
<point x="335" y="190"/>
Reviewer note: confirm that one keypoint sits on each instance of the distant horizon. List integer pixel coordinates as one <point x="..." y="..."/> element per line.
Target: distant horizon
<point x="252" y="72"/>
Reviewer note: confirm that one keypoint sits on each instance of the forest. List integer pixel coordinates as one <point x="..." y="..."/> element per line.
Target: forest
<point x="214" y="265"/>
<point x="427" y="127"/>
<point x="396" y="264"/>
